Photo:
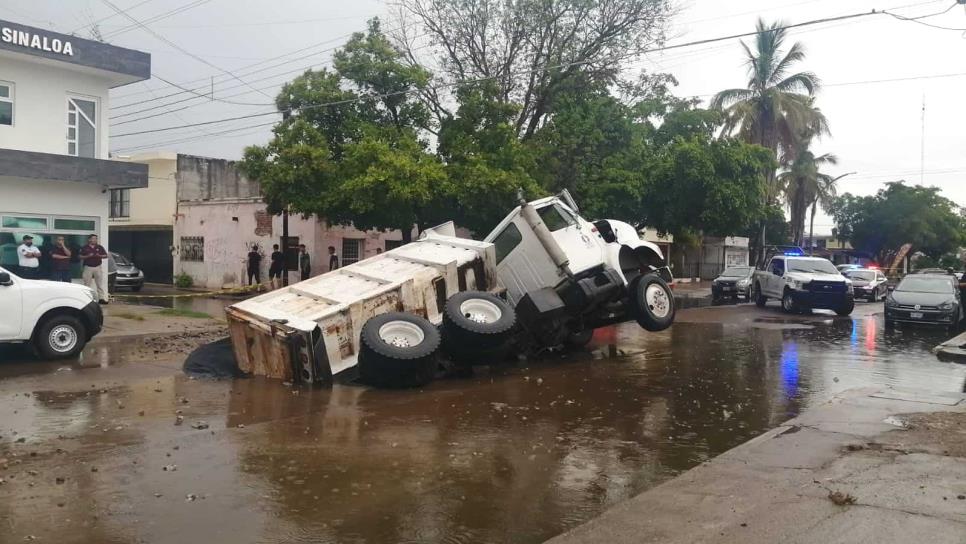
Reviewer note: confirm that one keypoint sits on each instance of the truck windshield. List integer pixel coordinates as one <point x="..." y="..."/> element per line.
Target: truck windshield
<point x="553" y="218"/>
<point x="925" y="285"/>
<point x="811" y="266"/>
<point x="734" y="271"/>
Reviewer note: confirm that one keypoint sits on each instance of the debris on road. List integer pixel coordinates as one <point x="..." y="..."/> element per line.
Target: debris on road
<point x="199" y="425"/>
<point x="840" y="498"/>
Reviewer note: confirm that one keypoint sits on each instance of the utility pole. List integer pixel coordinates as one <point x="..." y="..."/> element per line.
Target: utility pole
<point x="285" y="115"/>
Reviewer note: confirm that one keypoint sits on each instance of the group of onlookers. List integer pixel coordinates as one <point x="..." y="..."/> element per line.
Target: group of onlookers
<point x="92" y="256"/>
<point x="277" y="265"/>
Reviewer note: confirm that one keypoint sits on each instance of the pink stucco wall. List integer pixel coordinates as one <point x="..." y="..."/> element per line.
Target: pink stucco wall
<point x="229" y="230"/>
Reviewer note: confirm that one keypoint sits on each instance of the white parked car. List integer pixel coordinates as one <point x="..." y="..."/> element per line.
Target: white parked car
<point x="57" y="318"/>
<point x="803" y="283"/>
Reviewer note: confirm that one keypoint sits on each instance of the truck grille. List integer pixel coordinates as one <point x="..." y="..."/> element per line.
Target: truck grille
<point x="826" y="286"/>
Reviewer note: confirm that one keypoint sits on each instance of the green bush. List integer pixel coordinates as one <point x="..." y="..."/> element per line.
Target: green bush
<point x="183" y="280"/>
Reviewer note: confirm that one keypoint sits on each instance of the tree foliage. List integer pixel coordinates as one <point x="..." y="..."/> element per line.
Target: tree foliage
<point x="897" y="215"/>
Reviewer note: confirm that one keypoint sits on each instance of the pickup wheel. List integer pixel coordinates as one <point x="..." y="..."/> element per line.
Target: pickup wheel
<point x="60" y="336"/>
<point x="760" y="299"/>
<point x="398" y="350"/>
<point x="846" y="308"/>
<point x="653" y="303"/>
<point x="475" y="322"/>
<point x="788" y="302"/>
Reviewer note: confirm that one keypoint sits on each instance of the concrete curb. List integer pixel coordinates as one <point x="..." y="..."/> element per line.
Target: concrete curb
<point x="953" y="349"/>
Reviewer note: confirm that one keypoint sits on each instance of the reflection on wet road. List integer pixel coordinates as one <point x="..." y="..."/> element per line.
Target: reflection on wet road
<point x="514" y="454"/>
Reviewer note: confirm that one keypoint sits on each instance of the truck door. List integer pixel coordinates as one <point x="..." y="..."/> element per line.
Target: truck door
<point x="12" y="304"/>
<point x="776" y="277"/>
<point x="579" y="246"/>
<point x="522" y="265"/>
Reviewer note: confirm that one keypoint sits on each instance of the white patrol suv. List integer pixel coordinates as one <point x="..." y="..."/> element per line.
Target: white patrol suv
<point x="803" y="283"/>
<point x="57" y="318"/>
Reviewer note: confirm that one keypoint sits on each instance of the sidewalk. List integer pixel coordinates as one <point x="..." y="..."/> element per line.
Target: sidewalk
<point x="876" y="466"/>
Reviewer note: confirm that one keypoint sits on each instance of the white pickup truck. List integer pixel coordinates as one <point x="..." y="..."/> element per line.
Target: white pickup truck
<point x="57" y="319"/>
<point x="803" y="283"/>
<point x="544" y="277"/>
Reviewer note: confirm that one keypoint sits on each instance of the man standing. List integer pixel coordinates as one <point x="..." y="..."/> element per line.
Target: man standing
<point x="276" y="267"/>
<point x="60" y="261"/>
<point x="333" y="259"/>
<point x="305" y="263"/>
<point x="28" y="257"/>
<point x="254" y="264"/>
<point x="93" y="256"/>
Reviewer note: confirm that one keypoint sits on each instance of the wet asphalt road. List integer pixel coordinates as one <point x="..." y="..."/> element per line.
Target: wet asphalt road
<point x="90" y="452"/>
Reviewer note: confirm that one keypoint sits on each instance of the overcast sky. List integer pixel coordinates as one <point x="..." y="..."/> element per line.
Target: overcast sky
<point x="876" y="125"/>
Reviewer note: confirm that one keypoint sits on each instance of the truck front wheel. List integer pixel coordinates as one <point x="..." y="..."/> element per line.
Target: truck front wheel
<point x="60" y="336"/>
<point x="846" y="307"/>
<point x="788" y="302"/>
<point x="653" y="303"/>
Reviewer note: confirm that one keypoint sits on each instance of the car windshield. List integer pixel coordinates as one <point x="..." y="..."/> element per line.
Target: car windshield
<point x="813" y="266"/>
<point x="737" y="271"/>
<point x="860" y="275"/>
<point x="120" y="259"/>
<point x="922" y="284"/>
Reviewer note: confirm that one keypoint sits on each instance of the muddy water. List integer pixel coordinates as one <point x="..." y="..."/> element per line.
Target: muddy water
<point x="514" y="454"/>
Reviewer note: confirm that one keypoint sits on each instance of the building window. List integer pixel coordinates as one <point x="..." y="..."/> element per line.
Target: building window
<point x="86" y="225"/>
<point x="120" y="203"/>
<point x="81" y="127"/>
<point x="193" y="248"/>
<point x="25" y="223"/>
<point x="351" y="249"/>
<point x="6" y="104"/>
<point x="393" y="244"/>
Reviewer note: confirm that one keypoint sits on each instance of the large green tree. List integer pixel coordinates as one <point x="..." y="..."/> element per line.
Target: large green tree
<point x="900" y="214"/>
<point x="803" y="186"/>
<point x="349" y="148"/>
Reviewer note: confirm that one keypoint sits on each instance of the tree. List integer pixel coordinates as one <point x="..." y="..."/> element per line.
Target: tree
<point x="348" y="148"/>
<point x="776" y="107"/>
<point x="803" y="186"/>
<point x="530" y="49"/>
<point x="899" y="214"/>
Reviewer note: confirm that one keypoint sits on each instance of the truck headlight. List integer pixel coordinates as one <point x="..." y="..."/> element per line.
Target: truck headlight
<point x="948" y="305"/>
<point x="797" y="285"/>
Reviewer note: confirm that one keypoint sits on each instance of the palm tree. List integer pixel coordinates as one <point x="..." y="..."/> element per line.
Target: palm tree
<point x="776" y="108"/>
<point x="805" y="186"/>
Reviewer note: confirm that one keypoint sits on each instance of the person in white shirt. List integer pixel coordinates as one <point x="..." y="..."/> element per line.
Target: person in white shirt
<point x="28" y="257"/>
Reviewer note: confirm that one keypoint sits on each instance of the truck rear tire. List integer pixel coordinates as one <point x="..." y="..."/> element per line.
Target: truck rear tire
<point x="60" y="336"/>
<point x="653" y="303"/>
<point x="398" y="350"/>
<point x="475" y="321"/>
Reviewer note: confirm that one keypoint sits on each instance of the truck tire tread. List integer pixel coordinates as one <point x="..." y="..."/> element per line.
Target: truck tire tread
<point x="386" y="365"/>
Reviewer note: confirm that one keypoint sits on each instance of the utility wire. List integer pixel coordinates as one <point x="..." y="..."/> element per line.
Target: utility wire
<point x="155" y="18"/>
<point x="521" y="72"/>
<point x="93" y="24"/>
<point x="174" y="45"/>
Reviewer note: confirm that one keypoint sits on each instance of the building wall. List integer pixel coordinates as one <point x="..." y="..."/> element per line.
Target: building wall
<point x="40" y="106"/>
<point x="156" y="204"/>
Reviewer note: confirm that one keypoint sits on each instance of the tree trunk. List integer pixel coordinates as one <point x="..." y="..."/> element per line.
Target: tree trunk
<point x="811" y="229"/>
<point x="407" y="235"/>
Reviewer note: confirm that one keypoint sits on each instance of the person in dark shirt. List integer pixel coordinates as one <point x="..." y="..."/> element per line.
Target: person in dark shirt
<point x="95" y="273"/>
<point x="333" y="259"/>
<point x="276" y="267"/>
<point x="254" y="262"/>
<point x="305" y="263"/>
<point x="60" y="261"/>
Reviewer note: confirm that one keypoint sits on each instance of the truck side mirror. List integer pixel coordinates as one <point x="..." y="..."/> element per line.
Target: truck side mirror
<point x="5" y="279"/>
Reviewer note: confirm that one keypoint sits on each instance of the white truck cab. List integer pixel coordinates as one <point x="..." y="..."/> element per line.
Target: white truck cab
<point x="57" y="318"/>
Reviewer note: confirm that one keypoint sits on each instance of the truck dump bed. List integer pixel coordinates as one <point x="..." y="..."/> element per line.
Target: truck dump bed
<point x="309" y="331"/>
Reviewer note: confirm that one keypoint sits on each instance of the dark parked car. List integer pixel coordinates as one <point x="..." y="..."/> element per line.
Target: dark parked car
<point x="123" y="274"/>
<point x="735" y="281"/>
<point x="925" y="298"/>
<point x="868" y="284"/>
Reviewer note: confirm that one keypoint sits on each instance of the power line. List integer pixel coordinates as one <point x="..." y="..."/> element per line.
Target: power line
<point x="521" y="72"/>
<point x="93" y="24"/>
<point x="156" y="18"/>
<point x="173" y="44"/>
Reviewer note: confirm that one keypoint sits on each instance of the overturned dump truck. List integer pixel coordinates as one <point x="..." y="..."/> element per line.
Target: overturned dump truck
<point x="544" y="278"/>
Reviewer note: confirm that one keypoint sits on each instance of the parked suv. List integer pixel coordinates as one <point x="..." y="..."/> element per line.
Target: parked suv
<point x="124" y="274"/>
<point x="804" y="283"/>
<point x="733" y="282"/>
<point x="57" y="318"/>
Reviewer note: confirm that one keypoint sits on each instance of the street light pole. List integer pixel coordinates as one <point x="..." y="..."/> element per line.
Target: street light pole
<point x="811" y="226"/>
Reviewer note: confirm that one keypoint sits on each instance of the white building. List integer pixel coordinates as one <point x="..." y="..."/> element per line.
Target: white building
<point x="55" y="176"/>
